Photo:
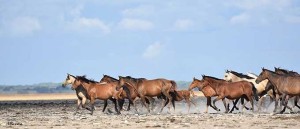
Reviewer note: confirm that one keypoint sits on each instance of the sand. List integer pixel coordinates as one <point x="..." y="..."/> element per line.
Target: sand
<point x="60" y="114"/>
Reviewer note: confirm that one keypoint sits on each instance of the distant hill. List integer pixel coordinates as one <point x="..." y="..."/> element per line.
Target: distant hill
<point x="54" y="88"/>
<point x="35" y="88"/>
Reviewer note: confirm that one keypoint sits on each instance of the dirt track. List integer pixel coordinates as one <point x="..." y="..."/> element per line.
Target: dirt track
<point x="59" y="114"/>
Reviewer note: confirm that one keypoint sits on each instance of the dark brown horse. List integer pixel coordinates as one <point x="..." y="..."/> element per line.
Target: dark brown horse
<point x="285" y="85"/>
<point x="231" y="90"/>
<point x="97" y="90"/>
<point x="146" y="89"/>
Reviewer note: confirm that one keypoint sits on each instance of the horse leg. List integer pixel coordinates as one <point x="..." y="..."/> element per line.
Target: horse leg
<point x="234" y="105"/>
<point x="225" y="105"/>
<point x="78" y="106"/>
<point x="151" y="102"/>
<point x="168" y="98"/>
<point x="145" y="103"/>
<point x="187" y="100"/>
<point x="296" y="101"/>
<point x="120" y="104"/>
<point x="105" y="105"/>
<point x="277" y="97"/>
<point x="130" y="102"/>
<point x="214" y="102"/>
<point x="134" y="104"/>
<point x="115" y="101"/>
<point x="92" y="105"/>
<point x="208" y="103"/>
<point x="284" y="103"/>
<point x="83" y="103"/>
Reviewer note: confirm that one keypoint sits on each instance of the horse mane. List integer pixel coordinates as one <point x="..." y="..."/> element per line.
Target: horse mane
<point x="286" y="71"/>
<point x="204" y="76"/>
<point x="283" y="70"/>
<point x="83" y="78"/>
<point x="240" y="75"/>
<point x="136" y="80"/>
<point x="72" y="75"/>
<point x="271" y="71"/>
<point x="114" y="79"/>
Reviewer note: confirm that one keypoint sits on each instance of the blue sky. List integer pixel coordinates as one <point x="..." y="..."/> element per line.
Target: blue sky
<point x="42" y="41"/>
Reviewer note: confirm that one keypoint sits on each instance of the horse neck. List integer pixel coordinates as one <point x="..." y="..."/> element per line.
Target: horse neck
<point x="275" y="79"/>
<point x="86" y="85"/>
<point x="213" y="83"/>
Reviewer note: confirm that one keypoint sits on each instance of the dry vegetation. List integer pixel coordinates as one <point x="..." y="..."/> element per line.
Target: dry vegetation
<point x="56" y="96"/>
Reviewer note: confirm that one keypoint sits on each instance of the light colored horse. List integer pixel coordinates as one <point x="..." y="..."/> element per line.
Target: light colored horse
<point x="81" y="93"/>
<point x="261" y="91"/>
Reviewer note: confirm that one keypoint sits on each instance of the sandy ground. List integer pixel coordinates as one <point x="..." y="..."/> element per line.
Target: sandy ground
<point x="60" y="114"/>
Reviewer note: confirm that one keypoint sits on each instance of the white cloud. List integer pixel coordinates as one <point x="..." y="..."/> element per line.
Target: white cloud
<point x="83" y="24"/>
<point x="153" y="50"/>
<point x="183" y="24"/>
<point x="141" y="11"/>
<point x="240" y="19"/>
<point x="136" y="24"/>
<point x="21" y="26"/>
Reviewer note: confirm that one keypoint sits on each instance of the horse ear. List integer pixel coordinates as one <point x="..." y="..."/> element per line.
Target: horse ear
<point x="120" y="77"/>
<point x="194" y="78"/>
<point x="226" y="71"/>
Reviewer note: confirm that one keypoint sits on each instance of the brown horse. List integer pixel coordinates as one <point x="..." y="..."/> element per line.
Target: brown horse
<point x="147" y="89"/>
<point x="124" y="93"/>
<point x="286" y="85"/>
<point x="181" y="95"/>
<point x="231" y="90"/>
<point x="97" y="90"/>
<point x="208" y="92"/>
<point x="289" y="73"/>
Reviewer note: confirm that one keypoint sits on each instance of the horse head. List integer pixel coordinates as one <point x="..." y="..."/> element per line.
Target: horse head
<point x="69" y="80"/>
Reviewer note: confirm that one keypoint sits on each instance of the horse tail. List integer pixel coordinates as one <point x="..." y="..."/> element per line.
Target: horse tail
<point x="254" y="90"/>
<point x="174" y="95"/>
<point x="174" y="86"/>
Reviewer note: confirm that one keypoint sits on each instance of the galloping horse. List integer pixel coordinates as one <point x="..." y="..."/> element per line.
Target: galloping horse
<point x="289" y="73"/>
<point x="288" y="86"/>
<point x="125" y="92"/>
<point x="231" y="90"/>
<point x="97" y="91"/>
<point x="261" y="87"/>
<point x="207" y="91"/>
<point x="150" y="88"/>
<point x="81" y="93"/>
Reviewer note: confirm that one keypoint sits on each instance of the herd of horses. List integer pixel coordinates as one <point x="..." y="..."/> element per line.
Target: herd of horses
<point x="280" y="85"/>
